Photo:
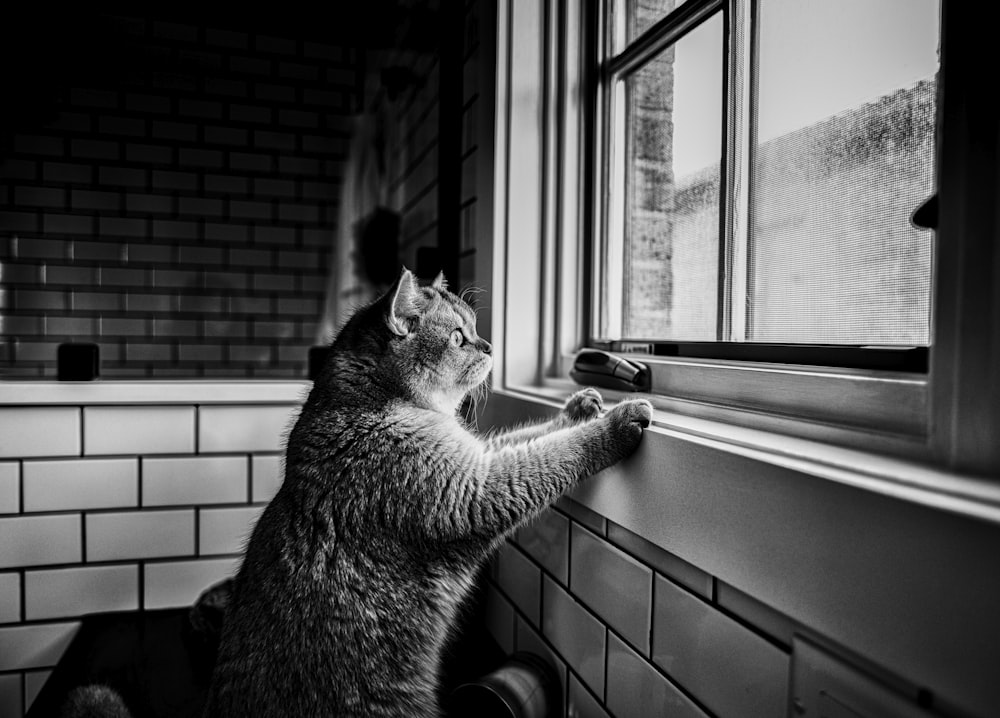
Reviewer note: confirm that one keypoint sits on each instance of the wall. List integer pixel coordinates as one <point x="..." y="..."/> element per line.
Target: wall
<point x="429" y="181"/>
<point x="111" y="503"/>
<point x="634" y="630"/>
<point x="169" y="191"/>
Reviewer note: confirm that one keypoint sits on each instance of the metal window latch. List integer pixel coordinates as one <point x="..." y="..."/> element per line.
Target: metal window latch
<point x="599" y="368"/>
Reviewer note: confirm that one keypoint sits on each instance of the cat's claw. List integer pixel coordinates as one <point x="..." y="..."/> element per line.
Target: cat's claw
<point x="584" y="405"/>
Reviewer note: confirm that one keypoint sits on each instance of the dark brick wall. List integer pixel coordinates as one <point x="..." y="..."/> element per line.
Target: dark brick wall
<point x="432" y="190"/>
<point x="177" y="210"/>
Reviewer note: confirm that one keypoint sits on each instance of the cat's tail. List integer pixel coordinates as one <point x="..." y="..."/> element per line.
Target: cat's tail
<point x="94" y="701"/>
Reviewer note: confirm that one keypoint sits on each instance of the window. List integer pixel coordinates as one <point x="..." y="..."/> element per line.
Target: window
<point x="887" y="344"/>
<point x="755" y="167"/>
<point x="764" y="159"/>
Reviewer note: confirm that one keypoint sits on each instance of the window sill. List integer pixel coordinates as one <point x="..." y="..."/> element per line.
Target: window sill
<point x="916" y="482"/>
<point x="181" y="391"/>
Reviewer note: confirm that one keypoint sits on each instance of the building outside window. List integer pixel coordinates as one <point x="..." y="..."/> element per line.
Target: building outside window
<point x="763" y="161"/>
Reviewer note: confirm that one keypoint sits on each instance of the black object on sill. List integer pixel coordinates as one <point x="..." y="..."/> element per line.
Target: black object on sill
<point x="78" y="361"/>
<point x="610" y="371"/>
<point x="317" y="358"/>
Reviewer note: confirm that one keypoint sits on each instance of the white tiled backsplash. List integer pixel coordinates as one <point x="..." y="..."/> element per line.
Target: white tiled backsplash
<point x="630" y="627"/>
<point x="109" y="505"/>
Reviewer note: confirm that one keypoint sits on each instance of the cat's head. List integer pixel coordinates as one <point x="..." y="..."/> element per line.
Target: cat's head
<point x="422" y="340"/>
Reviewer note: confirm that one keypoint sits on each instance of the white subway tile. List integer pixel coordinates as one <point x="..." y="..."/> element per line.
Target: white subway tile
<point x="668" y="564"/>
<point x="10" y="597"/>
<point x="10" y="696"/>
<point x="140" y="534"/>
<point x="267" y="476"/>
<point x="244" y="428"/>
<point x="598" y="577"/>
<point x="521" y="580"/>
<point x="71" y="592"/>
<point x="10" y="490"/>
<point x="581" y="704"/>
<point x="138" y="430"/>
<point x="39" y="540"/>
<point x="500" y="619"/>
<point x="225" y="530"/>
<point x="546" y="539"/>
<point x="634" y="687"/>
<point x="527" y="639"/>
<point x="36" y="646"/>
<point x="729" y="668"/>
<point x="80" y="484"/>
<point x="178" y="583"/>
<point x="39" y="431"/>
<point x="578" y="636"/>
<point x="33" y="682"/>
<point x="194" y="480"/>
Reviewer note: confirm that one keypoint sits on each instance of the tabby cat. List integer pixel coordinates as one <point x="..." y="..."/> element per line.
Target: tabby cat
<point x="389" y="504"/>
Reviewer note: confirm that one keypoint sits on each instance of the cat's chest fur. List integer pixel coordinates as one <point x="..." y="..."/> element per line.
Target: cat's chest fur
<point x="342" y="575"/>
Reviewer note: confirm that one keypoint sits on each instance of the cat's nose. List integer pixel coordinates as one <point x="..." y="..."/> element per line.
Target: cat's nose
<point x="485" y="346"/>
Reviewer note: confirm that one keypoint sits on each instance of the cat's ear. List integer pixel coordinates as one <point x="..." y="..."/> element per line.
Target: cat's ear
<point x="440" y="282"/>
<point x="403" y="303"/>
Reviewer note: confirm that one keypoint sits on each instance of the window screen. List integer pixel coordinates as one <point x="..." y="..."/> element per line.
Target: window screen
<point x="805" y="237"/>
<point x="844" y="153"/>
<point x="674" y="152"/>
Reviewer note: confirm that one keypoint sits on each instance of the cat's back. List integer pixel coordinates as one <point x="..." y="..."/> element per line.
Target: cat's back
<point x="383" y="438"/>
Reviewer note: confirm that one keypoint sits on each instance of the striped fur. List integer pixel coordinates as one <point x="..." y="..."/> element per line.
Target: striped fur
<point x="355" y="571"/>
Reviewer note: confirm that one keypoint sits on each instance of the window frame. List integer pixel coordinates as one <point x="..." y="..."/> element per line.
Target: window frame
<point x="945" y="417"/>
<point x="749" y="504"/>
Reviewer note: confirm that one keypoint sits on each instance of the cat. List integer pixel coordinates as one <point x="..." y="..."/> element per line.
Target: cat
<point x="355" y="570"/>
<point x="94" y="701"/>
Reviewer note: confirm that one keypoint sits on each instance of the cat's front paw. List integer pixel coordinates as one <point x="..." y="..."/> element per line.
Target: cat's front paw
<point x="584" y="405"/>
<point x="627" y="420"/>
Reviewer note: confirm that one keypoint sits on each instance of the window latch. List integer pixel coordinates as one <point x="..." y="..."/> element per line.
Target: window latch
<point x="599" y="368"/>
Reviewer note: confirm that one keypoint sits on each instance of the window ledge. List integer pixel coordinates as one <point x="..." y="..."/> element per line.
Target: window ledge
<point x="181" y="391"/>
<point x="915" y="482"/>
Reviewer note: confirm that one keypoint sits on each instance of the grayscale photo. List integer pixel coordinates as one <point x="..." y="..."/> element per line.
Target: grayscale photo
<point x="500" y="359"/>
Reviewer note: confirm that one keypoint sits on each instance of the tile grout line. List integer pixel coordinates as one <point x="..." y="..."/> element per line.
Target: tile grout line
<point x="142" y="585"/>
<point x="197" y="428"/>
<point x="23" y="590"/>
<point x="197" y="531"/>
<point x="607" y="660"/>
<point x="249" y="478"/>
<point x="83" y="537"/>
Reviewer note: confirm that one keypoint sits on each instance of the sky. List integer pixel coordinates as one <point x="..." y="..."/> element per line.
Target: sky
<point x="816" y="59"/>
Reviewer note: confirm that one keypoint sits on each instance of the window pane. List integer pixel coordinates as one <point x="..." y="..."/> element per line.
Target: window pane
<point x="634" y="17"/>
<point x="844" y="154"/>
<point x="673" y="156"/>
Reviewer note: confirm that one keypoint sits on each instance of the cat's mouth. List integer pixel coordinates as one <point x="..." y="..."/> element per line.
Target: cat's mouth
<point x="477" y="373"/>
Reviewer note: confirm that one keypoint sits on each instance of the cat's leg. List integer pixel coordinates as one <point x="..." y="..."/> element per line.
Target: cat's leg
<point x="584" y="405"/>
<point x="512" y="484"/>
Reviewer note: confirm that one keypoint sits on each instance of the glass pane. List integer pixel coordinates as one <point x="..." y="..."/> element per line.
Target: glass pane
<point x="673" y="156"/>
<point x="844" y="154"/>
<point x="634" y="17"/>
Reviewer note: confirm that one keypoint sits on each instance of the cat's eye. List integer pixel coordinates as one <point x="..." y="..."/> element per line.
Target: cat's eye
<point x="457" y="338"/>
